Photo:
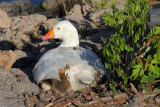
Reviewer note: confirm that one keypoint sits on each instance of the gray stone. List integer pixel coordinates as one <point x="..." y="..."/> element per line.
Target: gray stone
<point x="10" y="78"/>
<point x="157" y="99"/>
<point x="26" y="85"/>
<point x="24" y="24"/>
<point x="18" y="36"/>
<point x="76" y="10"/>
<point x="44" y="97"/>
<point x="16" y="7"/>
<point x="86" y="9"/>
<point x="6" y="81"/>
<point x="154" y="17"/>
<point x="20" y="54"/>
<point x="20" y="41"/>
<point x="4" y="20"/>
<point x="134" y="101"/>
<point x="77" y="20"/>
<point x="7" y="97"/>
<point x="94" y="41"/>
<point x="96" y="16"/>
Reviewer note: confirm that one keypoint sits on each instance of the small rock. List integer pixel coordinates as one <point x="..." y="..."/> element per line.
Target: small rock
<point x="122" y="2"/>
<point x="44" y="97"/>
<point x="37" y="101"/>
<point x="4" y="20"/>
<point x="135" y="101"/>
<point x="34" y="99"/>
<point x="27" y="101"/>
<point x="87" y="9"/>
<point x="157" y="99"/>
<point x="50" y="4"/>
<point x="51" y="22"/>
<point x="76" y="10"/>
<point x="19" y="77"/>
<point x="35" y="93"/>
<point x="7" y="59"/>
<point x="96" y="16"/>
<point x="120" y="5"/>
<point x="20" y="41"/>
<point x="20" y="96"/>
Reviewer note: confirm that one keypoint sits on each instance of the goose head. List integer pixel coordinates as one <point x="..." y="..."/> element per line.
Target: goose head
<point x="65" y="31"/>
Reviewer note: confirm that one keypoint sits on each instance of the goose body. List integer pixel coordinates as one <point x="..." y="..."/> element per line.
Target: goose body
<point x="68" y="67"/>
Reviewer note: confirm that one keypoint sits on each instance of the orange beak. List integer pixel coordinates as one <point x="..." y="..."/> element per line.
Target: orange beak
<point x="49" y="35"/>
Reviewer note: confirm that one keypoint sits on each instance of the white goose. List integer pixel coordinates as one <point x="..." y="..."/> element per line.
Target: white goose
<point x="68" y="67"/>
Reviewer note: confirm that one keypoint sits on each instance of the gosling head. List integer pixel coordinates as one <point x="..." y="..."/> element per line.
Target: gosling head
<point x="65" y="31"/>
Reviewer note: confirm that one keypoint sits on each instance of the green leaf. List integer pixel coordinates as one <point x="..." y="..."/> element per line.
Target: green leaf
<point x="121" y="47"/>
<point x="149" y="57"/>
<point x="151" y="67"/>
<point x="142" y="72"/>
<point x="110" y="20"/>
<point x="135" y="53"/>
<point x="121" y="29"/>
<point x="146" y="89"/>
<point x="104" y="51"/>
<point x="120" y="74"/>
<point x="118" y="58"/>
<point x="156" y="30"/>
<point x="158" y="52"/>
<point x="154" y="61"/>
<point x="156" y="70"/>
<point x="127" y="48"/>
<point x="107" y="52"/>
<point x="141" y="85"/>
<point x="147" y="79"/>
<point x="131" y="48"/>
<point x="138" y="21"/>
<point x="112" y="85"/>
<point x="136" y="71"/>
<point x="107" y="65"/>
<point x="138" y="45"/>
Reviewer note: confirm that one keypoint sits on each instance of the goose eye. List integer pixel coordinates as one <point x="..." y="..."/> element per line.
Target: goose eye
<point x="58" y="28"/>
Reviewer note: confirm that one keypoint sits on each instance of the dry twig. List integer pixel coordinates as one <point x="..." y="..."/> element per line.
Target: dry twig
<point x="63" y="99"/>
<point x="135" y="91"/>
<point x="157" y="80"/>
<point x="118" y="97"/>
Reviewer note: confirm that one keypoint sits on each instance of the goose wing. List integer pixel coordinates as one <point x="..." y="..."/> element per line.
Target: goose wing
<point x="48" y="65"/>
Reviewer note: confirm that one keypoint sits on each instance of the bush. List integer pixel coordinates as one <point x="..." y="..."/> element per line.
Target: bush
<point x="127" y="56"/>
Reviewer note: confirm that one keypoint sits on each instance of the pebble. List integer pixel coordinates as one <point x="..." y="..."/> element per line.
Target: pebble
<point x="157" y="99"/>
<point x="44" y="97"/>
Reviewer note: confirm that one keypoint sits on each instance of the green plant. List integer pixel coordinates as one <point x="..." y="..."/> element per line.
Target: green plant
<point x="146" y="67"/>
<point x="102" y="5"/>
<point x="121" y="50"/>
<point x="96" y="6"/>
